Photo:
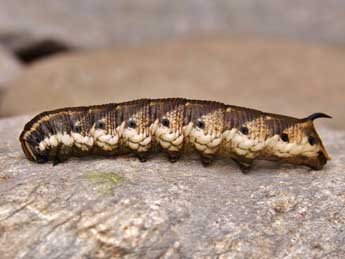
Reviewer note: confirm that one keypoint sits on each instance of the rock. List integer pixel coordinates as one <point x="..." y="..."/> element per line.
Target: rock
<point x="109" y="208"/>
<point x="89" y="23"/>
<point x="9" y="68"/>
<point x="279" y="77"/>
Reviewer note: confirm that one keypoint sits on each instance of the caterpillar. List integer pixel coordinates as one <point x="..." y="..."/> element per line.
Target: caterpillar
<point x="174" y="126"/>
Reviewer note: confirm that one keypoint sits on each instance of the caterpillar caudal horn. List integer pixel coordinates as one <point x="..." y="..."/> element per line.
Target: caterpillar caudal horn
<point x="317" y="115"/>
<point x="174" y="126"/>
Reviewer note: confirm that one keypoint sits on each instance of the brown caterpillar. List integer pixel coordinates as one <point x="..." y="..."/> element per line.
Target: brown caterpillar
<point x="176" y="126"/>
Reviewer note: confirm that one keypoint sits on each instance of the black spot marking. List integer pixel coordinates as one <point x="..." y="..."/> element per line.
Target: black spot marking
<point x="77" y="128"/>
<point x="244" y="130"/>
<point x="200" y="124"/>
<point x="100" y="125"/>
<point x="165" y="122"/>
<point x="284" y="137"/>
<point x="311" y="140"/>
<point x="132" y="124"/>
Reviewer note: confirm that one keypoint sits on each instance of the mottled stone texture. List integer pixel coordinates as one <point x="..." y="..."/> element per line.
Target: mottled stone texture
<point x="109" y="208"/>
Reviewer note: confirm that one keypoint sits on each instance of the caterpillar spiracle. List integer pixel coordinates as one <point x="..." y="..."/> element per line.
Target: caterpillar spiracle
<point x="175" y="126"/>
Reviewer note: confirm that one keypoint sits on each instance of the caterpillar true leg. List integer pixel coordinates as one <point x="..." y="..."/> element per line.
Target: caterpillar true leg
<point x="143" y="156"/>
<point x="207" y="160"/>
<point x="174" y="156"/>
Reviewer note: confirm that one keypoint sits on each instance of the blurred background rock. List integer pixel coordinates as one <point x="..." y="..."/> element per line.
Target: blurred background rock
<point x="279" y="56"/>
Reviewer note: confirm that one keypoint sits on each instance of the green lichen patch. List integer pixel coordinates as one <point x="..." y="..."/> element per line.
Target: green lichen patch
<point x="104" y="181"/>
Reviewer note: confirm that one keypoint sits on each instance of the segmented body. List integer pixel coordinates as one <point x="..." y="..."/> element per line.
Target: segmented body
<point x="176" y="126"/>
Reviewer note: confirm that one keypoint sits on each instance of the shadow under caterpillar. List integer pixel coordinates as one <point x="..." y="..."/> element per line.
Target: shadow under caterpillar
<point x="176" y="126"/>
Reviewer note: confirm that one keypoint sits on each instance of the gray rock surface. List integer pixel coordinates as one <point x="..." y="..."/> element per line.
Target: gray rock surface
<point x="286" y="78"/>
<point x="89" y="23"/>
<point x="110" y="208"/>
